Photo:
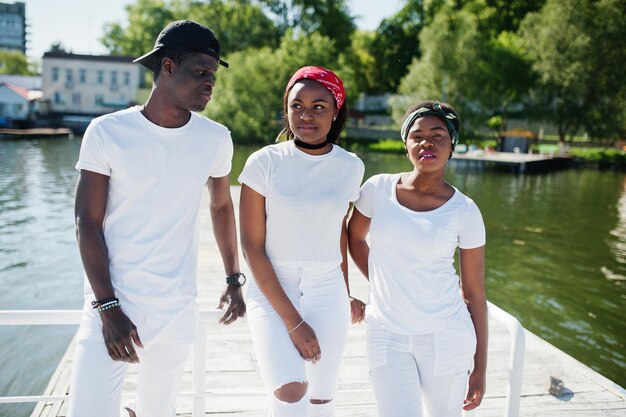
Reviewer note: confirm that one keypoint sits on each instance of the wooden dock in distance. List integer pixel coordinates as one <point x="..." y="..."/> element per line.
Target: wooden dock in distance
<point x="36" y="133"/>
<point x="232" y="366"/>
<point x="513" y="162"/>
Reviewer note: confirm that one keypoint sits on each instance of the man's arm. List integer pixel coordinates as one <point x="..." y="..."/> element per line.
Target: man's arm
<point x="223" y="219"/>
<point x="89" y="212"/>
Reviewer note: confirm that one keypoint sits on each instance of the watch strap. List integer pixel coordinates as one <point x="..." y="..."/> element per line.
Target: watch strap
<point x="237" y="279"/>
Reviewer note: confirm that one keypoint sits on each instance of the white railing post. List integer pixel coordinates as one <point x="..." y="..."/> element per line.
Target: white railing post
<point x="516" y="359"/>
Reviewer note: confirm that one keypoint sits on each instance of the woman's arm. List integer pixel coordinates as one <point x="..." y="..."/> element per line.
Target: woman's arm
<point x="473" y="293"/>
<point x="358" y="228"/>
<point x="252" y="221"/>
<point x="357" y="307"/>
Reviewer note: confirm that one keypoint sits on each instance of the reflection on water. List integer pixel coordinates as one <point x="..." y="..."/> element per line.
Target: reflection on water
<point x="618" y="243"/>
<point x="39" y="264"/>
<point x="550" y="239"/>
<point x="556" y="255"/>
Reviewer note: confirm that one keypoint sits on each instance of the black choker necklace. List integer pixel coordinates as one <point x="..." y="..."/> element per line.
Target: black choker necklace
<point x="305" y="145"/>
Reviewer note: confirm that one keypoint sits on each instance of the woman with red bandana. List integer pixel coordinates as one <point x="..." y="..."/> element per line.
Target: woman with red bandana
<point x="426" y="334"/>
<point x="295" y="197"/>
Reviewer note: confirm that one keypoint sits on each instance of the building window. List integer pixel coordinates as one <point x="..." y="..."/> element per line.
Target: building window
<point x="76" y="98"/>
<point x="82" y="76"/>
<point x="99" y="99"/>
<point x="69" y="78"/>
<point x="55" y="74"/>
<point x="59" y="98"/>
<point x="100" y="77"/>
<point x="113" y="77"/>
<point x="126" y="78"/>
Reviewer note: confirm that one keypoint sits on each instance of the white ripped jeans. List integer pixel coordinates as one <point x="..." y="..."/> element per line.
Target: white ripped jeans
<point x="320" y="295"/>
<point x="421" y="375"/>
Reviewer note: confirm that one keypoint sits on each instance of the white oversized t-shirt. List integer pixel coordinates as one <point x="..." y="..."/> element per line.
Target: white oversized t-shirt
<point x="306" y="199"/>
<point x="156" y="180"/>
<point x="414" y="288"/>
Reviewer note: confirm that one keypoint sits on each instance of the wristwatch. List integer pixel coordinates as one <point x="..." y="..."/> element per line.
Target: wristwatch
<point x="237" y="279"/>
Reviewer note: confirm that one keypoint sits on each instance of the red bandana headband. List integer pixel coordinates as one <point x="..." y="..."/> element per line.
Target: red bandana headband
<point x="323" y="76"/>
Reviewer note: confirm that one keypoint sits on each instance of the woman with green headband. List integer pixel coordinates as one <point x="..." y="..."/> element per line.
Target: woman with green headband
<point x="426" y="325"/>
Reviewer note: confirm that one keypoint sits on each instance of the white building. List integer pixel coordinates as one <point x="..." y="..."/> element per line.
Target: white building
<point x="17" y="104"/>
<point x="89" y="85"/>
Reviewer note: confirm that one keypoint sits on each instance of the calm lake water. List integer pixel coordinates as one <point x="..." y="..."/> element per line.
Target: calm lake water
<point x="556" y="256"/>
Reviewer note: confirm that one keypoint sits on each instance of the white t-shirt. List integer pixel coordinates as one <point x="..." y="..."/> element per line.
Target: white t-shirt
<point x="414" y="288"/>
<point x="156" y="180"/>
<point x="306" y="199"/>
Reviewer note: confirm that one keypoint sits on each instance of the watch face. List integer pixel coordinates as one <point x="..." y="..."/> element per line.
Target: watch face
<point x="236" y="279"/>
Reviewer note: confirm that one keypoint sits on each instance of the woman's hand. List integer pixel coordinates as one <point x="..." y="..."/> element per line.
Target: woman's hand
<point x="305" y="341"/>
<point x="357" y="308"/>
<point x="475" y="390"/>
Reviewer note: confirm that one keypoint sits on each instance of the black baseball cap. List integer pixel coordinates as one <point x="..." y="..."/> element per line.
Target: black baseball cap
<point x="185" y="35"/>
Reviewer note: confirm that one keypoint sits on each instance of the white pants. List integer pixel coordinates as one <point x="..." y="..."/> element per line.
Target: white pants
<point x="321" y="297"/>
<point x="421" y="375"/>
<point x="97" y="380"/>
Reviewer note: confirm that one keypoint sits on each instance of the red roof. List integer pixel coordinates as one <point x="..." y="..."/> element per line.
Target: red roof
<point x="21" y="91"/>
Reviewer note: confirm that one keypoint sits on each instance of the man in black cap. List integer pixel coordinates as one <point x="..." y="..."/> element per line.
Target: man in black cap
<point x="142" y="175"/>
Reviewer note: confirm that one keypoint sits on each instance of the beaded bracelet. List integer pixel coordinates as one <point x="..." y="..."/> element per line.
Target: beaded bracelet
<point x="105" y="304"/>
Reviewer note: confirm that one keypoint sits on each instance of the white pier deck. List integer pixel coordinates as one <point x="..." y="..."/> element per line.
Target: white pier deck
<point x="231" y="366"/>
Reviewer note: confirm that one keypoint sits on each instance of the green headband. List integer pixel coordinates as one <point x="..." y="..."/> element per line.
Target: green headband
<point x="435" y="111"/>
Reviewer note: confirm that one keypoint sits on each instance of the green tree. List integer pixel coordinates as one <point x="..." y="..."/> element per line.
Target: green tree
<point x="396" y="44"/>
<point x="146" y="18"/>
<point x="508" y="14"/>
<point x="577" y="48"/>
<point x="249" y="95"/>
<point x="330" y="18"/>
<point x="450" y="50"/>
<point x="358" y="65"/>
<point x="502" y="76"/>
<point x="15" y="63"/>
<point x="237" y="24"/>
<point x="465" y="64"/>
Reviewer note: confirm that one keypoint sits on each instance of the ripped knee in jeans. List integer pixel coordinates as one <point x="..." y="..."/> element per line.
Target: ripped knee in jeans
<point x="291" y="392"/>
<point x="316" y="401"/>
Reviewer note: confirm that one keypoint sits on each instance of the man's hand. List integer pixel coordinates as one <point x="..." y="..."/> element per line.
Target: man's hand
<point x="119" y="334"/>
<point x="233" y="297"/>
